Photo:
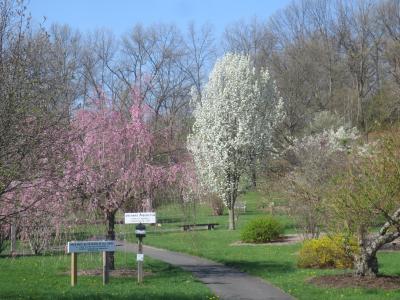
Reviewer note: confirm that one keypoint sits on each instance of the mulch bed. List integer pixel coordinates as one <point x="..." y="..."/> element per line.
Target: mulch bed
<point x="394" y="246"/>
<point x="347" y="280"/>
<point x="113" y="273"/>
<point x="283" y="240"/>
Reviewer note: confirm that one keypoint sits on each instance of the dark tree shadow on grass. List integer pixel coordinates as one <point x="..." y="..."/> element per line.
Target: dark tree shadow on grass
<point x="255" y="267"/>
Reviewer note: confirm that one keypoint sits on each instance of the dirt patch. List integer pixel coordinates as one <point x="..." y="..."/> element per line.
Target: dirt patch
<point x="297" y="238"/>
<point x="113" y="273"/>
<point x="284" y="240"/>
<point x="393" y="246"/>
<point x="347" y="280"/>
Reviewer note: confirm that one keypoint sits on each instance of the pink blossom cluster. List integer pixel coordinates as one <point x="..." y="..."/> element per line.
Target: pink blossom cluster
<point x="112" y="160"/>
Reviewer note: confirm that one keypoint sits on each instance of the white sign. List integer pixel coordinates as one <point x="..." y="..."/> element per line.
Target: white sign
<point x="142" y="217"/>
<point x="91" y="246"/>
<point x="139" y="257"/>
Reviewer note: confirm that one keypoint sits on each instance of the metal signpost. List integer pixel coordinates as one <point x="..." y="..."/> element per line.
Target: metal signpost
<point x="140" y="231"/>
<point x="89" y="246"/>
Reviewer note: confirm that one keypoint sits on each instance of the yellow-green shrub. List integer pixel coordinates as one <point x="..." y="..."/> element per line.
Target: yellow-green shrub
<point x="328" y="252"/>
<point x="261" y="230"/>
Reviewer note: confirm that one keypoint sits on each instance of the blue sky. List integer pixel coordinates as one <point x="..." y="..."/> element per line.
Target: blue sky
<point x="121" y="15"/>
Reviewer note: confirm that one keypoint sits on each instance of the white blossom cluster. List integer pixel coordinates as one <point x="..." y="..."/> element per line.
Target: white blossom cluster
<point x="236" y="115"/>
<point x="318" y="157"/>
<point x="328" y="141"/>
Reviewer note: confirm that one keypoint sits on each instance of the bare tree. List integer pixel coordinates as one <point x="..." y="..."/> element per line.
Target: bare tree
<point x="200" y="54"/>
<point x="37" y="93"/>
<point x="357" y="40"/>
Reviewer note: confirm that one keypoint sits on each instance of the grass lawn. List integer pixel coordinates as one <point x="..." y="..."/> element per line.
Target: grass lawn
<point x="277" y="264"/>
<point x="43" y="277"/>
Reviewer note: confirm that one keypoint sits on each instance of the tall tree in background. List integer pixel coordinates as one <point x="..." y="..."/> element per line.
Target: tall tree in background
<point x="236" y="115"/>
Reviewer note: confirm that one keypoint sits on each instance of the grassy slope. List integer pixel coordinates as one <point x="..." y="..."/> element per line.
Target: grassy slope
<point x="42" y="277"/>
<point x="277" y="264"/>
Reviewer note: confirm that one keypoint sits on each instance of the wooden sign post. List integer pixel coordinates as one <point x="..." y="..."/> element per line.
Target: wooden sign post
<point x="74" y="268"/>
<point x="89" y="246"/>
<point x="105" y="268"/>
<point x="139" y="258"/>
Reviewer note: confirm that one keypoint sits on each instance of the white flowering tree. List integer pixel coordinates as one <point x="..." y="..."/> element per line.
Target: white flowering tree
<point x="235" y="117"/>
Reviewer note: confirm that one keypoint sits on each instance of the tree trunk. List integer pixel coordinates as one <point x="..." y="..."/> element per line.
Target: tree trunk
<point x="253" y="170"/>
<point x="232" y="225"/>
<point x="110" y="236"/>
<point x="367" y="262"/>
<point x="13" y="238"/>
<point x="231" y="195"/>
<point x="366" y="265"/>
<point x="254" y="177"/>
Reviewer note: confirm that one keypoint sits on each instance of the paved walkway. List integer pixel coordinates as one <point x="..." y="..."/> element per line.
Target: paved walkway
<point x="225" y="282"/>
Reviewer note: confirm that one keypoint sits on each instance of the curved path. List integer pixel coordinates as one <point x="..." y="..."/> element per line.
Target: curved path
<point x="225" y="282"/>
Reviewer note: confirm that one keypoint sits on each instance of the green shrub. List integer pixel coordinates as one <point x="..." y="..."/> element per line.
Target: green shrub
<point x="261" y="230"/>
<point x="328" y="252"/>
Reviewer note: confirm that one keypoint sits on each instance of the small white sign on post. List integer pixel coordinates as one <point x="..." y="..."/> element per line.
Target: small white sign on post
<point x="91" y="246"/>
<point x="142" y="217"/>
<point x="140" y="257"/>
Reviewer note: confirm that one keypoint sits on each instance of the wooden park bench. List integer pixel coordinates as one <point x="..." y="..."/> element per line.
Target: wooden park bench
<point x="210" y="226"/>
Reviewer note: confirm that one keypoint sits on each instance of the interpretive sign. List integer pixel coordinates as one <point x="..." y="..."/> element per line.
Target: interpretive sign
<point x="141" y="217"/>
<point x="91" y="246"/>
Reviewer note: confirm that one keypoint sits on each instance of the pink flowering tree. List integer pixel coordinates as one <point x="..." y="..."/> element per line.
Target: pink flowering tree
<point x="112" y="163"/>
<point x="34" y="203"/>
<point x="45" y="215"/>
<point x="37" y="209"/>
